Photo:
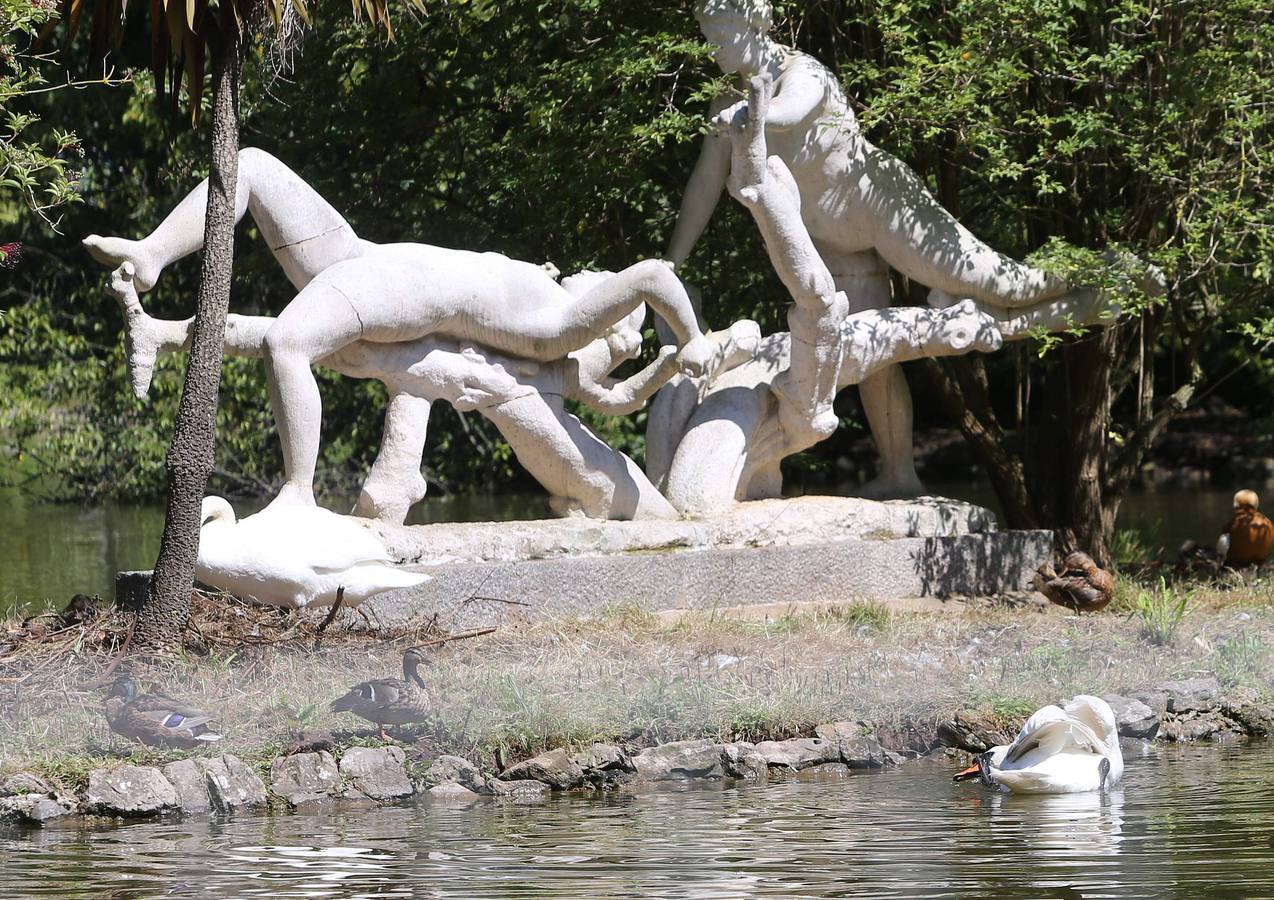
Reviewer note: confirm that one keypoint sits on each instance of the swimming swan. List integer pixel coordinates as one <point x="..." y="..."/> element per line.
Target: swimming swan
<point x="1058" y="751"/>
<point x="295" y="556"/>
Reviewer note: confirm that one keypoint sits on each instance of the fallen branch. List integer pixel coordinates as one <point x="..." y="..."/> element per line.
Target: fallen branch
<point x="331" y="615"/>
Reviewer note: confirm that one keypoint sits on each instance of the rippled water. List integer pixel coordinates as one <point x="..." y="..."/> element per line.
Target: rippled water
<point x="1187" y="822"/>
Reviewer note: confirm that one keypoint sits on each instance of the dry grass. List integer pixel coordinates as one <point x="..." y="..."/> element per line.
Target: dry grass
<point x="629" y="677"/>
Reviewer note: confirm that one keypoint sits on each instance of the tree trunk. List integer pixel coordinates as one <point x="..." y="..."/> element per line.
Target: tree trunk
<point x="1087" y="524"/>
<point x="190" y="456"/>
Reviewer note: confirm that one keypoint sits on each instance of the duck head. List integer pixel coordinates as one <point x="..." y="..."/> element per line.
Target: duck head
<point x="413" y="658"/>
<point x="1078" y="559"/>
<point x="216" y="509"/>
<point x="123" y="688"/>
<point x="1246" y="499"/>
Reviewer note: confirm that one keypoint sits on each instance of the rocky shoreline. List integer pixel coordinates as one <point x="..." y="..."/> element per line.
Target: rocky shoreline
<point x="1185" y="710"/>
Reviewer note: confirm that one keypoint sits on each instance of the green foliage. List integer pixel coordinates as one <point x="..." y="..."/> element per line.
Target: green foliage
<point x="1239" y="659"/>
<point x="1161" y="611"/>
<point x="35" y="164"/>
<point x="1136" y="545"/>
<point x="564" y="131"/>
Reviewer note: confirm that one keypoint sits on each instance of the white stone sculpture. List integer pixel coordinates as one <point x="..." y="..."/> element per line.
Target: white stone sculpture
<point x="711" y="444"/>
<point x="864" y="210"/>
<point x="296" y="556"/>
<point x="523" y="398"/>
<point x="352" y="290"/>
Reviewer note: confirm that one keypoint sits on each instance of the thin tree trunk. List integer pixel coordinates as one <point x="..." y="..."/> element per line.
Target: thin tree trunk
<point x="190" y="456"/>
<point x="1087" y="526"/>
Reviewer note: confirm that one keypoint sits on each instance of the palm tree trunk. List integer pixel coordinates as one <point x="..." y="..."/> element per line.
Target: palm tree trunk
<point x="163" y="617"/>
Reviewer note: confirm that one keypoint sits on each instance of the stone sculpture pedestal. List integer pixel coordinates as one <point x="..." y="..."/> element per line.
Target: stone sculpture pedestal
<point x="805" y="549"/>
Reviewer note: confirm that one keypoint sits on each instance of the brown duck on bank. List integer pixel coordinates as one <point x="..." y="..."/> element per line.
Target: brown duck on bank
<point x="155" y="719"/>
<point x="1248" y="538"/>
<point x="391" y="701"/>
<point x="1082" y="585"/>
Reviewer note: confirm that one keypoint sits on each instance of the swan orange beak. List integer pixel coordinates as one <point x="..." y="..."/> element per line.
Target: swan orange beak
<point x="974" y="771"/>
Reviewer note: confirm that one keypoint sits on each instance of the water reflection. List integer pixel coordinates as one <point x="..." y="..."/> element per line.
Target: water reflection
<point x="1188" y="821"/>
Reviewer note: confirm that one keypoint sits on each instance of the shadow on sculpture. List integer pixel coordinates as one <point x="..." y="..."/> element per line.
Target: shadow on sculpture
<point x="863" y="212"/>
<point x="504" y="338"/>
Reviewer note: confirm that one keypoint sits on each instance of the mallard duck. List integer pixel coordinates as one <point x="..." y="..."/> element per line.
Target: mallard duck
<point x="391" y="701"/>
<point x="1058" y="751"/>
<point x="295" y="556"/>
<point x="1082" y="585"/>
<point x="155" y="719"/>
<point x="1248" y="538"/>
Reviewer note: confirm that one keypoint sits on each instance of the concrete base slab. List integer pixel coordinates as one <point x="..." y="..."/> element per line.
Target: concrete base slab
<point x="807" y="549"/>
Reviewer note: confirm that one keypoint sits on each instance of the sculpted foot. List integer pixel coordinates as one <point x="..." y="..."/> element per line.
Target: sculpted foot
<point x="884" y="488"/>
<point x="113" y="252"/>
<point x="292" y="495"/>
<point x="695" y="356"/>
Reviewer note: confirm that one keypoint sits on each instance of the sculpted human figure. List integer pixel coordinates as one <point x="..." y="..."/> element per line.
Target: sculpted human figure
<point x="350" y="289"/>
<point x="523" y="398"/>
<point x="863" y="208"/>
<point x="710" y="444"/>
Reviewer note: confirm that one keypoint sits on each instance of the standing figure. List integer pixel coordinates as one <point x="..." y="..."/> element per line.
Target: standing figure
<point x="352" y="290"/>
<point x="864" y="209"/>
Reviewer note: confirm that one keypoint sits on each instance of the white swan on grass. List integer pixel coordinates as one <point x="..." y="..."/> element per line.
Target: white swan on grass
<point x="1063" y="750"/>
<point x="295" y="556"/>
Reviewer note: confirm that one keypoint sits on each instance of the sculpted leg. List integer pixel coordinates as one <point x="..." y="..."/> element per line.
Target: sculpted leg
<point x="919" y="238"/>
<point x="394" y="484"/>
<point x="318" y="322"/>
<point x="650" y="282"/>
<point x="885" y="396"/>
<point x="305" y="234"/>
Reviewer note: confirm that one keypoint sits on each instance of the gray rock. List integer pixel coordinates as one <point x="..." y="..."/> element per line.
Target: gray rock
<point x="456" y="770"/>
<point x="32" y="809"/>
<point x="191" y="785"/>
<point x="1188" y="695"/>
<point x="305" y="777"/>
<point x="965" y="735"/>
<point x="1133" y="718"/>
<point x="21" y="783"/>
<point x="555" y="768"/>
<point x="378" y="772"/>
<point x="1194" y="726"/>
<point x="523" y="789"/>
<point x="798" y="753"/>
<point x="603" y="758"/>
<point x="854" y="747"/>
<point x="680" y="759"/>
<point x="452" y="794"/>
<point x="130" y="791"/>
<point x="824" y="770"/>
<point x="1255" y="718"/>
<point x="231" y="784"/>
<point x="741" y="760"/>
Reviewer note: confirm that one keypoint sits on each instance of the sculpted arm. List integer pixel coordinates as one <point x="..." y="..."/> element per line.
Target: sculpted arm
<point x="619" y="398"/>
<point x="801" y="93"/>
<point x="703" y="190"/>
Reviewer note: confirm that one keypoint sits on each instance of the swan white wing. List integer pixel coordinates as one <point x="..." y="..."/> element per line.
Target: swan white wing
<point x="316" y="538"/>
<point x="1048" y="732"/>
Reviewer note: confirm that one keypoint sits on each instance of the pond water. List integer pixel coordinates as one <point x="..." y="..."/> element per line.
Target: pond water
<point x="48" y="552"/>
<point x="1186" y="822"/>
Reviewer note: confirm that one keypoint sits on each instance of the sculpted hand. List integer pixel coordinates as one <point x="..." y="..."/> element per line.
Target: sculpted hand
<point x="732" y="118"/>
<point x="695" y="356"/>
